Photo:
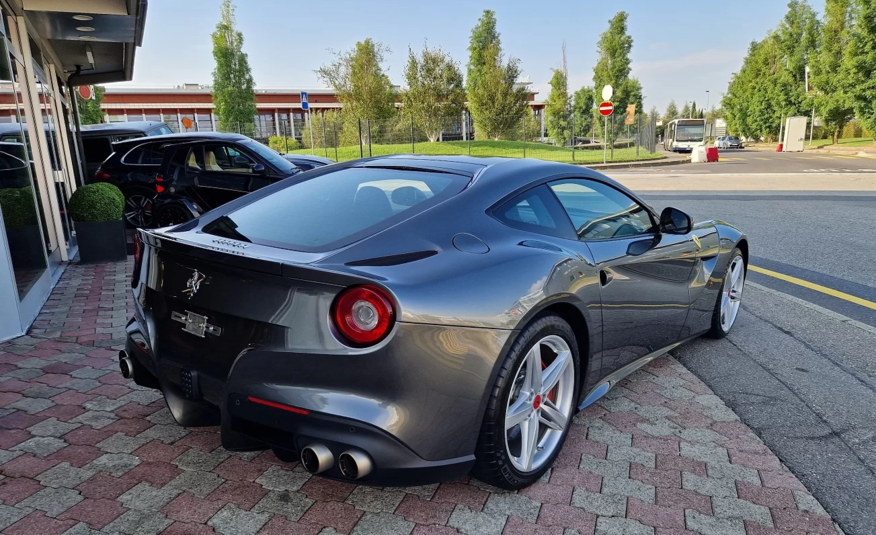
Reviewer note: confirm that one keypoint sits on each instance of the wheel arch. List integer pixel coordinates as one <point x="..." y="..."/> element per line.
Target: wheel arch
<point x="743" y="247"/>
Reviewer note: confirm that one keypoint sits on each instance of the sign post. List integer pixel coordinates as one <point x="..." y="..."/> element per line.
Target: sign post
<point x="606" y="109"/>
<point x="305" y="106"/>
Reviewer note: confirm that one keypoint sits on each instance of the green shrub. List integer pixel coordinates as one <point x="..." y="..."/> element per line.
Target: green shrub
<point x="96" y="202"/>
<point x="17" y="206"/>
<point x="283" y="144"/>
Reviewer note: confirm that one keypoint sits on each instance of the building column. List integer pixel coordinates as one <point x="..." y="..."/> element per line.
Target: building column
<point x="277" y="121"/>
<point x="292" y="123"/>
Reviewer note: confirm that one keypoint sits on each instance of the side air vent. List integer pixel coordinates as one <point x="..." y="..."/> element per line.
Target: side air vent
<point x="393" y="260"/>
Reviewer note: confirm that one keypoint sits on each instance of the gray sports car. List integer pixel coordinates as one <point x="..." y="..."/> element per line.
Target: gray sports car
<point x="406" y="320"/>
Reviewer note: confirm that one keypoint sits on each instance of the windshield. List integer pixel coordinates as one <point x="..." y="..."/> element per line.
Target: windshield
<point x="336" y="209"/>
<point x="691" y="133"/>
<point x="273" y="157"/>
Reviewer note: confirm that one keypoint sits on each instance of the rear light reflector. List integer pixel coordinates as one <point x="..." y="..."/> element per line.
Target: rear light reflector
<point x="138" y="247"/>
<point x="101" y="176"/>
<point x="363" y="314"/>
<point x="280" y="406"/>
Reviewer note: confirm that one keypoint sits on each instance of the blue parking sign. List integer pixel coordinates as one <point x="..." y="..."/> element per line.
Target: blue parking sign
<point x="304" y="104"/>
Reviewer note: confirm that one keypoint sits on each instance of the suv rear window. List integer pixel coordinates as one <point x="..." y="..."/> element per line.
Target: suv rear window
<point x="336" y="209"/>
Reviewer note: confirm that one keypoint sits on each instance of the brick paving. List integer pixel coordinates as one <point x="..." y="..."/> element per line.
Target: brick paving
<point x="84" y="451"/>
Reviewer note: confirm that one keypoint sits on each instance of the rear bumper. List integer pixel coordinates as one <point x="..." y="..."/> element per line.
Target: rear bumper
<point x="419" y="424"/>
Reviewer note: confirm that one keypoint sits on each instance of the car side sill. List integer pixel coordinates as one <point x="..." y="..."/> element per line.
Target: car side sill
<point x="601" y="389"/>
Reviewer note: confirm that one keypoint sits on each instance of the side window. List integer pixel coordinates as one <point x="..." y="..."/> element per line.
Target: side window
<point x="96" y="149"/>
<point x="601" y="212"/>
<point x="226" y="158"/>
<point x="535" y="210"/>
<point x="148" y="154"/>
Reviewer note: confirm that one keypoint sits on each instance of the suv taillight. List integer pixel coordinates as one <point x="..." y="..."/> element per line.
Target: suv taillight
<point x="158" y="180"/>
<point x="101" y="176"/>
<point x="363" y="315"/>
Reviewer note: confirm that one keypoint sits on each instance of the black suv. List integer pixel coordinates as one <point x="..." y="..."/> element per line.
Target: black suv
<point x="201" y="175"/>
<point x="132" y="167"/>
<point x="97" y="139"/>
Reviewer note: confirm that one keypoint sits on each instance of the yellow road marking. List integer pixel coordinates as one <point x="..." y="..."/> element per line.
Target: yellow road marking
<point x="844" y="156"/>
<point x="816" y="287"/>
<point x="764" y="159"/>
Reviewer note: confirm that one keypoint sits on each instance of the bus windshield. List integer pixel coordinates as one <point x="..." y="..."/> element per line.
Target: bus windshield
<point x="691" y="132"/>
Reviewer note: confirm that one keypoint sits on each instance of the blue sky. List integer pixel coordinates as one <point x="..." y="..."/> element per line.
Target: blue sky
<point x="681" y="49"/>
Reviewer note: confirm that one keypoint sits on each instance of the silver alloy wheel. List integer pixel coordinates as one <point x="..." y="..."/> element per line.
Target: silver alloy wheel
<point x="138" y="210"/>
<point x="540" y="405"/>
<point x="731" y="297"/>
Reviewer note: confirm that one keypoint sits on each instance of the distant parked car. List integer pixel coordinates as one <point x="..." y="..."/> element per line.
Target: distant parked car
<point x="133" y="166"/>
<point x="306" y="162"/>
<point x="97" y="140"/>
<point x="201" y="175"/>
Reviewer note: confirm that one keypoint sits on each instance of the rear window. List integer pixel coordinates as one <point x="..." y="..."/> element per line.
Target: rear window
<point x="336" y="209"/>
<point x="96" y="149"/>
<point x="148" y="154"/>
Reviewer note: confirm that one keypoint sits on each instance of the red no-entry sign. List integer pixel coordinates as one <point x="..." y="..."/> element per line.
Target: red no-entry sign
<point x="606" y="108"/>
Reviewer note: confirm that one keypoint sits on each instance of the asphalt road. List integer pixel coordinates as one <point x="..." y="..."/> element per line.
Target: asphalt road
<point x="800" y="365"/>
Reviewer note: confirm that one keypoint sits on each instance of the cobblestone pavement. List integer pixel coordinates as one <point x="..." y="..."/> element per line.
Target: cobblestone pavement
<point x="83" y="451"/>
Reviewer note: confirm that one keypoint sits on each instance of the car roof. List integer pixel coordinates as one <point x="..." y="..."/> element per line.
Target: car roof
<point x="494" y="176"/>
<point x="120" y="128"/>
<point x="181" y="138"/>
<point x="308" y="158"/>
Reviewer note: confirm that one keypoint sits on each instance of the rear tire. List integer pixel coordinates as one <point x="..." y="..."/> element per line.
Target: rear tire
<point x="547" y="402"/>
<point x="727" y="304"/>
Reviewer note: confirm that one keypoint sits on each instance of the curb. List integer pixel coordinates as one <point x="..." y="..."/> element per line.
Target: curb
<point x="647" y="163"/>
<point x="848" y="152"/>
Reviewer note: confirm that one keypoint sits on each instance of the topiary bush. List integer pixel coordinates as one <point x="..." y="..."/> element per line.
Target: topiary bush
<point x="96" y="202"/>
<point x="17" y="206"/>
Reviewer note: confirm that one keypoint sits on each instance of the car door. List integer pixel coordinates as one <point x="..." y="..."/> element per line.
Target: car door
<point x="644" y="275"/>
<point x="228" y="173"/>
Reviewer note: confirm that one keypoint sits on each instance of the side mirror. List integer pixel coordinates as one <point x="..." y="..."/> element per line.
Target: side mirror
<point x="674" y="221"/>
<point x="258" y="169"/>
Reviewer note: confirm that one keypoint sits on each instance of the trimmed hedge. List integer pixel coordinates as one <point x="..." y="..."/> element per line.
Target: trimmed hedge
<point x="17" y="205"/>
<point x="96" y="202"/>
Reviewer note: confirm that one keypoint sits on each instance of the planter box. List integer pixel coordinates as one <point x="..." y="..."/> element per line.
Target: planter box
<point x="26" y="247"/>
<point x="102" y="241"/>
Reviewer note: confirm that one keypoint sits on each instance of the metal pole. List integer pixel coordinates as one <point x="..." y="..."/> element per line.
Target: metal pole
<point x="812" y="127"/>
<point x="324" y="137"/>
<point x="360" y="138"/>
<point x="781" y="126"/>
<point x="639" y="135"/>
<point x="470" y="133"/>
<point x="368" y="125"/>
<point x="573" y="136"/>
<point x="413" y="148"/>
<point x="612" y="136"/>
<point x="310" y="127"/>
<point x="524" y="134"/>
<point x="605" y="145"/>
<point x="335" y="129"/>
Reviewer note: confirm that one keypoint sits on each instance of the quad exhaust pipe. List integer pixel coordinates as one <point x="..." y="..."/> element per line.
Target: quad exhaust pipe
<point x="126" y="365"/>
<point x="316" y="458"/>
<point x="354" y="464"/>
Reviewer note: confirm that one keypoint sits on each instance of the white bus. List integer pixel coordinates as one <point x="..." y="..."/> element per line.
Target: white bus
<point x="682" y="135"/>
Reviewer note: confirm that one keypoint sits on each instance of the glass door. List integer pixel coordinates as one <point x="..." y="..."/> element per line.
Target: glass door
<point x="63" y="186"/>
<point x="24" y="232"/>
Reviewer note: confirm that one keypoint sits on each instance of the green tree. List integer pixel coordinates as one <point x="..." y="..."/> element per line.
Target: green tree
<point x="613" y="66"/>
<point x="483" y="36"/>
<point x="435" y="96"/>
<point x="233" y="86"/>
<point x="496" y="101"/>
<point x="89" y="110"/>
<point x="556" y="110"/>
<point x="833" y="99"/>
<point x="672" y="112"/>
<point x="685" y="111"/>
<point x="360" y="82"/>
<point x="859" y="64"/>
<point x="693" y="112"/>
<point x="584" y="104"/>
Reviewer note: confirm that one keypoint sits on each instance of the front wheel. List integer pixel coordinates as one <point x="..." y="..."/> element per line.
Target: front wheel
<point x="138" y="206"/>
<point x="730" y="298"/>
<point x="531" y="405"/>
<point x="170" y="214"/>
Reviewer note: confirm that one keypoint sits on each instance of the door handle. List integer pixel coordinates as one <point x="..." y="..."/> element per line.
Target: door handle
<point x="605" y="276"/>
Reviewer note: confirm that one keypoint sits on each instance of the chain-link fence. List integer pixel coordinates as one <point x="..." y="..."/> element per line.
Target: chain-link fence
<point x="571" y="139"/>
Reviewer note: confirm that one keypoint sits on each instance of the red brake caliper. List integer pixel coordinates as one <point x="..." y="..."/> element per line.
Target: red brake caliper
<point x="552" y="393"/>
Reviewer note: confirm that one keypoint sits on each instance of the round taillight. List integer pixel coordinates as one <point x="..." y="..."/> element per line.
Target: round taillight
<point x="363" y="314"/>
